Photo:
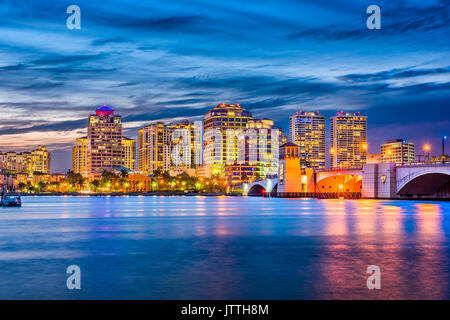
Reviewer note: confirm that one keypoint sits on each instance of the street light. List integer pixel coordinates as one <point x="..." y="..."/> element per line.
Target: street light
<point x="443" y="149"/>
<point x="427" y="148"/>
<point x="332" y="151"/>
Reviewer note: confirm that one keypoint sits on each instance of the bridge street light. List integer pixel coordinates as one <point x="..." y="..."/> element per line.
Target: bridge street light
<point x="427" y="148"/>
<point x="443" y="148"/>
<point x="332" y="152"/>
<point x="389" y="152"/>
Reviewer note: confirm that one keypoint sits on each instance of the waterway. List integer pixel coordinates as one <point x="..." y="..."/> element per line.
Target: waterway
<point x="165" y="247"/>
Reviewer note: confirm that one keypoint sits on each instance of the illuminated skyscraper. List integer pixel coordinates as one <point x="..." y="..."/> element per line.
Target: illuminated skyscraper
<point x="186" y="144"/>
<point x="398" y="151"/>
<point x="37" y="160"/>
<point x="154" y="148"/>
<point x="129" y="153"/>
<point x="3" y="161"/>
<point x="307" y="130"/>
<point x="40" y="160"/>
<point x="166" y="147"/>
<point x="257" y="152"/>
<point x="222" y="125"/>
<point x="348" y="140"/>
<point x="79" y="156"/>
<point x="17" y="161"/>
<point x="104" y="141"/>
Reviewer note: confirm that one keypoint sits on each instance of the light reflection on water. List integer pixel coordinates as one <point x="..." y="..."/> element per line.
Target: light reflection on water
<point x="224" y="248"/>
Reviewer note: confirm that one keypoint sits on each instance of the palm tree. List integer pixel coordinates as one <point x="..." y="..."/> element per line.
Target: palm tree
<point x="75" y="179"/>
<point x="123" y="173"/>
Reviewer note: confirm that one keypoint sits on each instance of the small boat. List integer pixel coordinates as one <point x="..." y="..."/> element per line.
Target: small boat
<point x="11" y="199"/>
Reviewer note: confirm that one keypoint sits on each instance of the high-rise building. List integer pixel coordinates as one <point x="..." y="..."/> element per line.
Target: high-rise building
<point x="79" y="156"/>
<point x="257" y="152"/>
<point x="3" y="161"/>
<point x="40" y="160"/>
<point x="307" y="130"/>
<point x="222" y="125"/>
<point x="167" y="147"/>
<point x="104" y="148"/>
<point x="17" y="161"/>
<point x="154" y="148"/>
<point x="187" y="144"/>
<point x="348" y="140"/>
<point x="129" y="153"/>
<point x="398" y="151"/>
<point x="37" y="160"/>
<point x="104" y="141"/>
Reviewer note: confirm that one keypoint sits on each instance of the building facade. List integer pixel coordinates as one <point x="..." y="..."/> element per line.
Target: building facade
<point x="398" y="151"/>
<point x="154" y="148"/>
<point x="307" y="130"/>
<point x="104" y="147"/>
<point x="40" y="160"/>
<point x="348" y="140"/>
<point x="104" y="142"/>
<point x="129" y="153"/>
<point x="222" y="125"/>
<point x="169" y="147"/>
<point x="186" y="144"/>
<point x="289" y="172"/>
<point x="79" y="156"/>
<point x="37" y="160"/>
<point x="257" y="152"/>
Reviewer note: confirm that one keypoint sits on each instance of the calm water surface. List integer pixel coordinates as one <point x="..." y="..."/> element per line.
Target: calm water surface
<point x="223" y="248"/>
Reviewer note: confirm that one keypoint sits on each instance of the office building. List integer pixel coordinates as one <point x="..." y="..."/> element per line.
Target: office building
<point x="129" y="153"/>
<point x="307" y="130"/>
<point x="169" y="147"/>
<point x="257" y="152"/>
<point x="37" y="160"/>
<point x="104" y="147"/>
<point x="398" y="151"/>
<point x="222" y="125"/>
<point x="348" y="140"/>
<point x="79" y="156"/>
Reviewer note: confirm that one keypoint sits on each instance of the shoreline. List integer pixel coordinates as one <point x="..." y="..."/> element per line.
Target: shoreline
<point x="193" y="194"/>
<point x="118" y="194"/>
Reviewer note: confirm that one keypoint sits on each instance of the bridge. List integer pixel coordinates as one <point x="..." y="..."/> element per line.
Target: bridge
<point x="426" y="180"/>
<point x="259" y="187"/>
<point x="379" y="180"/>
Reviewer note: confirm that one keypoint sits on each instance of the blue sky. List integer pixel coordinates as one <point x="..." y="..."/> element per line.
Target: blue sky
<point x="160" y="60"/>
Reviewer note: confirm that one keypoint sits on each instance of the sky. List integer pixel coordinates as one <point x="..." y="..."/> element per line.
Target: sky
<point x="174" y="60"/>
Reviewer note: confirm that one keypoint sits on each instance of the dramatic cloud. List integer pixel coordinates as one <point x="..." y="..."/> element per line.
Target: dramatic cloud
<point x="394" y="74"/>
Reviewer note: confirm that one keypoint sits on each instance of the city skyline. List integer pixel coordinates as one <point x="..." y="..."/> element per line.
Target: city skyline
<point x="80" y="159"/>
<point x="156" y="62"/>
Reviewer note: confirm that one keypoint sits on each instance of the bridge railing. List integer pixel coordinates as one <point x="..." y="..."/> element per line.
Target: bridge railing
<point x="337" y="169"/>
<point x="421" y="164"/>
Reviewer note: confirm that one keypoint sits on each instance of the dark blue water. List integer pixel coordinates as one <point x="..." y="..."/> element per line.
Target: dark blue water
<point x="223" y="248"/>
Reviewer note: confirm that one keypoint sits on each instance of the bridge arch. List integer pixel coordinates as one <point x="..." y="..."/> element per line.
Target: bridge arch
<point x="434" y="184"/>
<point x="340" y="183"/>
<point x="256" y="190"/>
<point x="256" y="187"/>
